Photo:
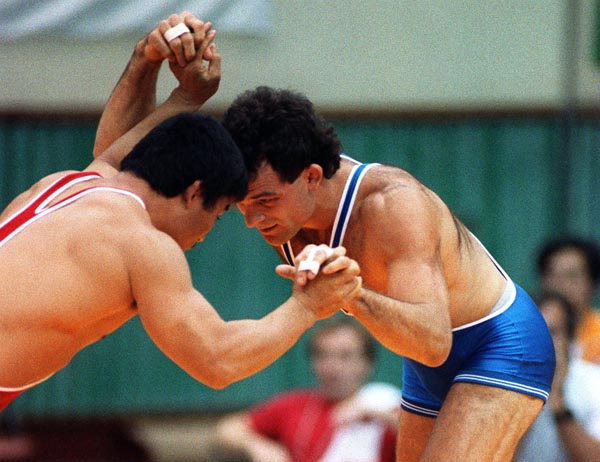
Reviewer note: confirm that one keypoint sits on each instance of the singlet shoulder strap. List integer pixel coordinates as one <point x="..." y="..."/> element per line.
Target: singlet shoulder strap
<point x="86" y="191"/>
<point x="40" y="202"/>
<point x="347" y="202"/>
<point x="288" y="253"/>
<point x="344" y="208"/>
<point x="39" y="205"/>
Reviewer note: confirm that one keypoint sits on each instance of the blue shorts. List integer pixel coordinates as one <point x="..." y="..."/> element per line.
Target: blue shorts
<point x="512" y="350"/>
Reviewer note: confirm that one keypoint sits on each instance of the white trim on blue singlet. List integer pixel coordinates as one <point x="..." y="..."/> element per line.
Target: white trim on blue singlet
<point x="472" y="378"/>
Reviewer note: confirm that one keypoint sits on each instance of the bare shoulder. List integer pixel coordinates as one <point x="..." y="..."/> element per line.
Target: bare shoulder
<point x="394" y="196"/>
<point x="23" y="198"/>
<point x="147" y="254"/>
<point x="125" y="217"/>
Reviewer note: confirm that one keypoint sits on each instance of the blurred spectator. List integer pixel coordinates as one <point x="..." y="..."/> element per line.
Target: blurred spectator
<point x="568" y="427"/>
<point x="571" y="266"/>
<point x="341" y="420"/>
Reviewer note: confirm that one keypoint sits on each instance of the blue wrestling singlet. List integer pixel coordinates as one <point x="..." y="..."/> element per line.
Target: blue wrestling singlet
<point x="510" y="349"/>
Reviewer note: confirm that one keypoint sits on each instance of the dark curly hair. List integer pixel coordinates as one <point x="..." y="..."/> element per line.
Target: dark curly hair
<point x="186" y="148"/>
<point x="588" y="248"/>
<point x="281" y="127"/>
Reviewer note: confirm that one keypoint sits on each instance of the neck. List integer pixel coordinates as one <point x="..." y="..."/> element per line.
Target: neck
<point x="129" y="182"/>
<point x="328" y="198"/>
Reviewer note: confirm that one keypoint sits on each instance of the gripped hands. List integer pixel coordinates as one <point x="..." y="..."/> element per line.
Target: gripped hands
<point x="337" y="283"/>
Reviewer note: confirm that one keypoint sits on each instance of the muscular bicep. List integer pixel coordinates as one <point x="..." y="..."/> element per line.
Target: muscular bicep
<point x="411" y="250"/>
<point x="175" y="315"/>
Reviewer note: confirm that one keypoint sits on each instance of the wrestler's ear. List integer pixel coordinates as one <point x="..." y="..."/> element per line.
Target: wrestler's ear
<point x="313" y="175"/>
<point x="193" y="193"/>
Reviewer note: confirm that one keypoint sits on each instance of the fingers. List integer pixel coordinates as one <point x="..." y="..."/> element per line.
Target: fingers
<point x="198" y="29"/>
<point x="182" y="48"/>
<point x="312" y="257"/>
<point x="286" y="271"/>
<point x="214" y="65"/>
<point x="340" y="264"/>
<point x="328" y="294"/>
<point x="203" y="40"/>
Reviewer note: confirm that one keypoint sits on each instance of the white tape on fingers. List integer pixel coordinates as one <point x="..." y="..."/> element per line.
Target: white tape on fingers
<point x="310" y="264"/>
<point x="328" y="251"/>
<point x="175" y="31"/>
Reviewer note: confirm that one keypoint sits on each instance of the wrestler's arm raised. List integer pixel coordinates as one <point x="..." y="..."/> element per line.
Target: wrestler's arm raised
<point x="186" y="97"/>
<point x="134" y="97"/>
<point x="189" y="330"/>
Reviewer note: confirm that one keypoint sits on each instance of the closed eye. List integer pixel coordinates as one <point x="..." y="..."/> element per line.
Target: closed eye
<point x="268" y="202"/>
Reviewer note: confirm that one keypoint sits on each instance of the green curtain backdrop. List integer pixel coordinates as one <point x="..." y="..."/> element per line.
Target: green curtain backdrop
<point x="509" y="179"/>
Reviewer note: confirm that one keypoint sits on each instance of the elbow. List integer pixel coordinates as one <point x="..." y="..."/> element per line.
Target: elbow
<point x="438" y="349"/>
<point x="214" y="371"/>
<point x="218" y="377"/>
<point x="217" y="384"/>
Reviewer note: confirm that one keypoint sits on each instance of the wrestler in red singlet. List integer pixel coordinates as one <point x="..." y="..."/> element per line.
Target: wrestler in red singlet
<point x="35" y="209"/>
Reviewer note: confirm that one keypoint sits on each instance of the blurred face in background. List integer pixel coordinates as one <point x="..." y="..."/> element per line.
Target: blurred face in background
<point x="568" y="274"/>
<point x="555" y="316"/>
<point x="340" y="362"/>
<point x="556" y="313"/>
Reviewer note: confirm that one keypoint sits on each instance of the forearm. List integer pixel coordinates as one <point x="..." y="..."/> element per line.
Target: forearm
<point x="243" y="347"/>
<point x="133" y="99"/>
<point x="235" y="436"/>
<point x="175" y="104"/>
<point x="407" y="329"/>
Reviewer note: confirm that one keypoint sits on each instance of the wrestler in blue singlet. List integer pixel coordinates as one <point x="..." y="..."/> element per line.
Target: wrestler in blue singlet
<point x="509" y="348"/>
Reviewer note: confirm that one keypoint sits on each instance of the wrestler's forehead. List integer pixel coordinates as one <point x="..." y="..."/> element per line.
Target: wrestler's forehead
<point x="265" y="181"/>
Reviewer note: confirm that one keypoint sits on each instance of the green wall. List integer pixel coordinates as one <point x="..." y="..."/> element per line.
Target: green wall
<point x="513" y="181"/>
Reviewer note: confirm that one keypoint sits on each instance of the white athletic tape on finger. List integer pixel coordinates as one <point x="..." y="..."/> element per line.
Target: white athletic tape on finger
<point x="310" y="264"/>
<point x="175" y="31"/>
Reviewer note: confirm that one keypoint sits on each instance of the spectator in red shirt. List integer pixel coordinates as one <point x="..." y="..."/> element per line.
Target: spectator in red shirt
<point x="342" y="419"/>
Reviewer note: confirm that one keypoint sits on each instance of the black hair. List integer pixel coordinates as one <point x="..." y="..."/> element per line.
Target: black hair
<point x="550" y="296"/>
<point x="342" y="322"/>
<point x="281" y="127"/>
<point x="589" y="249"/>
<point x="186" y="148"/>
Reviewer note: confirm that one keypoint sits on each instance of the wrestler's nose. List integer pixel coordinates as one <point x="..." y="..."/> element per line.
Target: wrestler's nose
<point x="253" y="219"/>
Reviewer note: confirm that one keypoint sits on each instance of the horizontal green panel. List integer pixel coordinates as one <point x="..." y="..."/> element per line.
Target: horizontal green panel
<point x="511" y="181"/>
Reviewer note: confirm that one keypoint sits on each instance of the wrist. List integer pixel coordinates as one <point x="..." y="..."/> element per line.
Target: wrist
<point x="359" y="304"/>
<point x="301" y="308"/>
<point x="184" y="100"/>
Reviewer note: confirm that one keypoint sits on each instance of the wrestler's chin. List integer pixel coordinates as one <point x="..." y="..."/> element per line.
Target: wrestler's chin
<point x="272" y="238"/>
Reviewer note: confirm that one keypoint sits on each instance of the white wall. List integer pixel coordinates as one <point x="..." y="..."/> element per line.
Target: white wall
<point x="385" y="54"/>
